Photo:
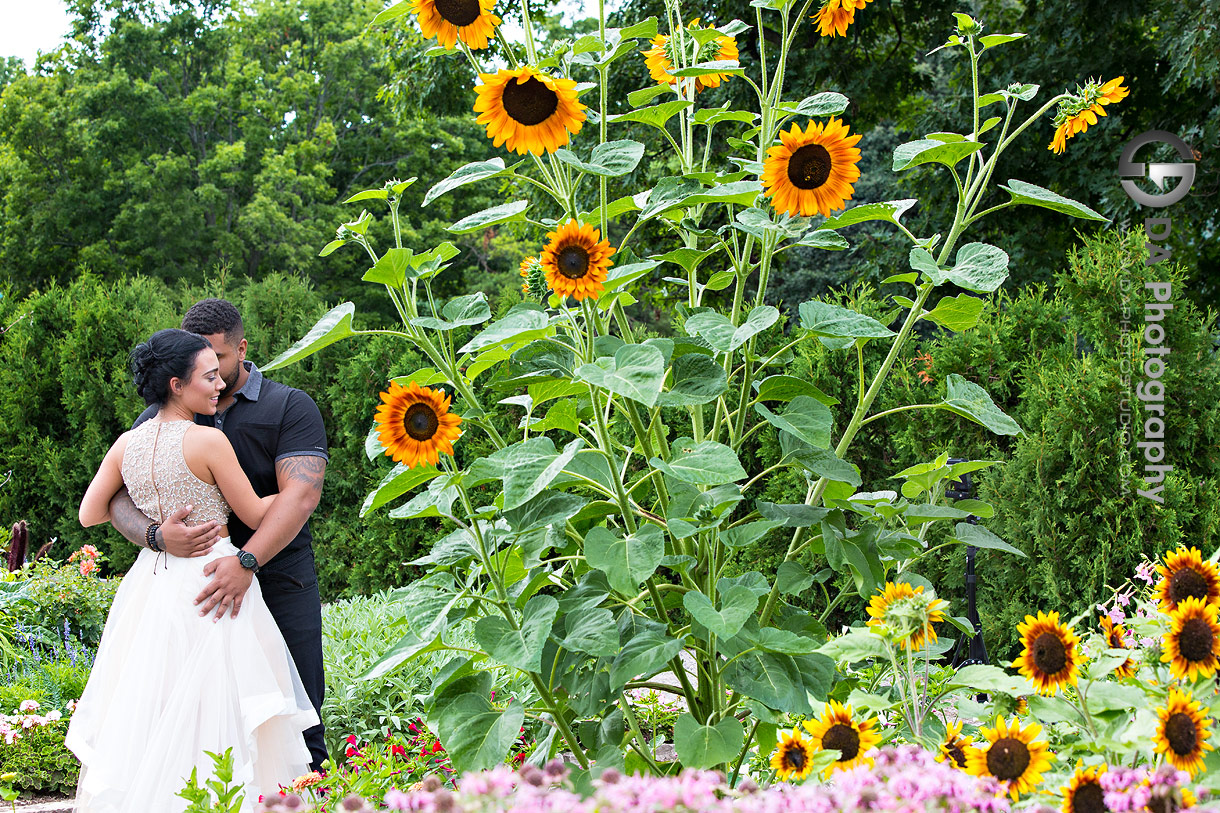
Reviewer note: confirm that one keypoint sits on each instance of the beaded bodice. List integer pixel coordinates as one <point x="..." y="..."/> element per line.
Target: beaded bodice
<point x="159" y="480"/>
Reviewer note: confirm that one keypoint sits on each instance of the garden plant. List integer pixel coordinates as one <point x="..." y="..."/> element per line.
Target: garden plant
<point x="606" y="540"/>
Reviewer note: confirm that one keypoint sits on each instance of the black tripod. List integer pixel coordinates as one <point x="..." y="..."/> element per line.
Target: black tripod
<point x="967" y="653"/>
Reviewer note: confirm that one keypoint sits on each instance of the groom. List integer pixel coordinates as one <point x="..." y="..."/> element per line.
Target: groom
<point x="280" y="442"/>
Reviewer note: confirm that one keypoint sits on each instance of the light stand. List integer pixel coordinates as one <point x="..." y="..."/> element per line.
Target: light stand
<point x="975" y="650"/>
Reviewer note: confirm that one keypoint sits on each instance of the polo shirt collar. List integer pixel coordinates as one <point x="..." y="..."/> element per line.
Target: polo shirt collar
<point x="254" y="383"/>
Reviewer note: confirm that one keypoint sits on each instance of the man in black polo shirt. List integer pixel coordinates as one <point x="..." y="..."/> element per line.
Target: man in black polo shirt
<point x="280" y="442"/>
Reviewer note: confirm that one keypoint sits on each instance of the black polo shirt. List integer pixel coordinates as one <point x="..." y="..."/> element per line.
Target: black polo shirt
<point x="268" y="422"/>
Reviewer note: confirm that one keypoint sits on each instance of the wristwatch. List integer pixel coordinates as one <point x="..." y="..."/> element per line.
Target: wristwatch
<point x="248" y="560"/>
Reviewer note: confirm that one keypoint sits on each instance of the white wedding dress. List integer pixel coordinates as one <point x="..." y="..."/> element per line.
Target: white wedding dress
<point x="168" y="685"/>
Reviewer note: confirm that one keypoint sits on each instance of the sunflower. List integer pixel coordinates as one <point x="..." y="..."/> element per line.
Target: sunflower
<point x="792" y="756"/>
<point x="1182" y="733"/>
<point x="415" y="425"/>
<point x="835" y="16"/>
<point x="1115" y="635"/>
<point x="1185" y="575"/>
<point x="660" y="59"/>
<point x="899" y="604"/>
<point x="1193" y="640"/>
<point x="812" y="171"/>
<point x="1011" y="756"/>
<point x="528" y="110"/>
<point x="837" y="731"/>
<point x="1049" y="656"/>
<point x="576" y="262"/>
<point x="1083" y="793"/>
<point x="1077" y="113"/>
<point x="533" y="277"/>
<point x="471" y="21"/>
<point x="954" y="748"/>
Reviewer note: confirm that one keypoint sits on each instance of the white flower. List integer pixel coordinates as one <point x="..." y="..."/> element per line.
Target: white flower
<point x="29" y="705"/>
<point x="54" y="715"/>
<point x="71" y="705"/>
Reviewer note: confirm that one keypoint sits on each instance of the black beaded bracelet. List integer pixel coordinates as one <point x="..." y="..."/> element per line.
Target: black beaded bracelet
<point x="150" y="538"/>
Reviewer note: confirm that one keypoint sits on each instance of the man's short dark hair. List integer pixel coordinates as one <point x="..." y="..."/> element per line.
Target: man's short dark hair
<point x="208" y="317"/>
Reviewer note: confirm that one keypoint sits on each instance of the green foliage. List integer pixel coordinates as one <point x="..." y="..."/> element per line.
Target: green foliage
<point x="61" y="598"/>
<point x="218" y="793"/>
<point x="39" y="759"/>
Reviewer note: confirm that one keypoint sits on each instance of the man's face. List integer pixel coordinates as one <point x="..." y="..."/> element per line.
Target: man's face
<point x="230" y="356"/>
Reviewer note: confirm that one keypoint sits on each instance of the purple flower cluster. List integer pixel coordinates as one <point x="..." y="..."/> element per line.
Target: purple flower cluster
<point x="1138" y="790"/>
<point x="905" y="779"/>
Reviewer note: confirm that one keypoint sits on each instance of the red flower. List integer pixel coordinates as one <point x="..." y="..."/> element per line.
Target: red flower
<point x="398" y="751"/>
<point x="437" y="747"/>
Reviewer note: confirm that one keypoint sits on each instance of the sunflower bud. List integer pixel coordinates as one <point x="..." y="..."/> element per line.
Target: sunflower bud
<point x="533" y="275"/>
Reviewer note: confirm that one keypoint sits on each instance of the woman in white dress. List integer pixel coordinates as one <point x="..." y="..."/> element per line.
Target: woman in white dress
<point x="169" y="685"/>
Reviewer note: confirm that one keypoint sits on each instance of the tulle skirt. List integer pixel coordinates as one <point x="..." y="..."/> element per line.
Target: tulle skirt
<point x="168" y="686"/>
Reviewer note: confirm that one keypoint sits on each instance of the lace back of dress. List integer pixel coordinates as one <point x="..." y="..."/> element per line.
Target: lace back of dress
<point x="160" y="482"/>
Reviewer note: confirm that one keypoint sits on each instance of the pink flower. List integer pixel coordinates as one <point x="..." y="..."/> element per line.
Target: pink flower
<point x="1117" y="615"/>
<point x="29" y="705"/>
<point x="1144" y="572"/>
<point x="1123" y="598"/>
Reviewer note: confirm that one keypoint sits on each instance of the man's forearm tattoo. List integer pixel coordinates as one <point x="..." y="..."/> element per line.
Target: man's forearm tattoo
<point x="308" y="470"/>
<point x="128" y="520"/>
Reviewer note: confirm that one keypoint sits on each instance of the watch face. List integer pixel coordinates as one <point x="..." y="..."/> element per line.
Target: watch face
<point x="248" y="560"/>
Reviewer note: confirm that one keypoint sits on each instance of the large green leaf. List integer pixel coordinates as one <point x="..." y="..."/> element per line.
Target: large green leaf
<point x="654" y="116"/>
<point x="477" y="735"/>
<point x="891" y="211"/>
<point x="334" y="326"/>
<point x="698" y="379"/>
<point x="770" y="678"/>
<point x="959" y="313"/>
<point x="805" y="418"/>
<point x="530" y="466"/>
<point x="926" y="151"/>
<point x="787" y="387"/>
<point x="736" y="606"/>
<point x="1035" y="195"/>
<point x="642" y="656"/>
<point x="476" y="171"/>
<point x="521" y="647"/>
<point x="625" y="561"/>
<point x="397" y="482"/>
<point x="592" y="632"/>
<point x="971" y="401"/>
<point x="981" y="268"/>
<point x="816" y="106"/>
<point x="524" y="321"/>
<point x="609" y="160"/>
<point x="823" y="319"/>
<point x="490" y="217"/>
<point x="637" y="371"/>
<point x="471" y="309"/>
<point x="980" y="537"/>
<point x="721" y="334"/>
<point x="706" y="746"/>
<point x="822" y="462"/>
<point x="990" y="679"/>
<point x="391" y="268"/>
<point x="426" y="604"/>
<point x="859" y="644"/>
<point x="706" y="464"/>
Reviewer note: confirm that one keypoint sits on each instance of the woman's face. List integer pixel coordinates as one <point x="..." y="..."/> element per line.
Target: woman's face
<point x="201" y="391"/>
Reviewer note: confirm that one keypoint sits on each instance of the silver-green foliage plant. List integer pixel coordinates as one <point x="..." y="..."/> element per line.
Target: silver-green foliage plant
<point x="591" y="549"/>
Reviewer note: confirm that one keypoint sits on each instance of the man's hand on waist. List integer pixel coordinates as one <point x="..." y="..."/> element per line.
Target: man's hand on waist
<point x="226" y="590"/>
<point x="185" y="541"/>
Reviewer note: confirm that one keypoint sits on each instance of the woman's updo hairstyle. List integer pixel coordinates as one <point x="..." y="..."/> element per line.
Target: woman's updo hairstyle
<point x="167" y="354"/>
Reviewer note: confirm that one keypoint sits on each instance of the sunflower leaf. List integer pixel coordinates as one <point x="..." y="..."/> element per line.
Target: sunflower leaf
<point x="708" y="463"/>
<point x="609" y="160"/>
<point x="399" y="481"/>
<point x="490" y="217"/>
<point x="729" y="67"/>
<point x="980" y="537"/>
<point x="654" y="116"/>
<point x="636" y="98"/>
<point x="956" y="313"/>
<point x="821" y="104"/>
<point x="981" y="268"/>
<point x="393" y="12"/>
<point x="806" y="418"/>
<point x="637" y="371"/>
<point x="332" y="327"/>
<point x="824" y="319"/>
<point x="992" y="40"/>
<point x="706" y="746"/>
<point x="475" y="171"/>
<point x="971" y="401"/>
<point x="1034" y="195"/>
<point x="927" y="150"/>
<point x="890" y="211"/>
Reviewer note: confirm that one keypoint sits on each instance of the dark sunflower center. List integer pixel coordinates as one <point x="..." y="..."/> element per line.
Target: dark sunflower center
<point x="530" y="102"/>
<point x="1187" y="583"/>
<point x="844" y="739"/>
<point x="420" y="422"/>
<point x="1007" y="758"/>
<point x="572" y="261"/>
<point x="1050" y="655"/>
<point x="1181" y="733"/>
<point x="794" y="757"/>
<point x="1196" y="640"/>
<point x="957" y="755"/>
<point x="809" y="166"/>
<point x="1089" y="798"/>
<point x="459" y="12"/>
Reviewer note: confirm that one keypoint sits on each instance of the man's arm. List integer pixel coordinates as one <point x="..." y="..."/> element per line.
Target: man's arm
<point x="300" y="480"/>
<point x="178" y="538"/>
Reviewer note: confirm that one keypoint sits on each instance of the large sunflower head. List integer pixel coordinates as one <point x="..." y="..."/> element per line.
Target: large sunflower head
<point x="1080" y="110"/>
<point x="1186" y="575"/>
<point x="813" y="170"/>
<point x="954" y="748"/>
<point x="528" y="110"/>
<point x="1193" y="641"/>
<point x="415" y="425"/>
<point x="793" y="757"/>
<point x="1182" y="732"/>
<point x="1116" y="638"/>
<point x="1084" y="793"/>
<point x="576" y="260"/>
<point x="1049" y="657"/>
<point x="1011" y="755"/>
<point x="471" y="21"/>
<point x="836" y="730"/>
<point x="907" y="613"/>
<point x="660" y="58"/>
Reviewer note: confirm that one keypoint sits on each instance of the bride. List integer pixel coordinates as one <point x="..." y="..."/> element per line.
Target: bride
<point x="168" y="685"/>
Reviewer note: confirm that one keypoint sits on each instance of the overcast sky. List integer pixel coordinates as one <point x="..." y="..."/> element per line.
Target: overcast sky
<point x="30" y="26"/>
